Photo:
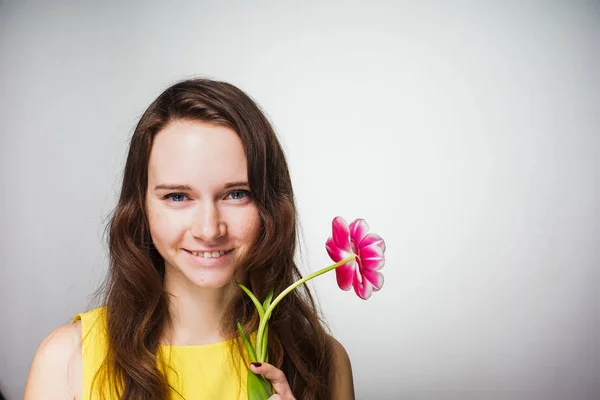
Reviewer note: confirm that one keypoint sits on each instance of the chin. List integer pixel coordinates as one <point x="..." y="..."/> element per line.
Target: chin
<point x="209" y="282"/>
<point x="207" y="278"/>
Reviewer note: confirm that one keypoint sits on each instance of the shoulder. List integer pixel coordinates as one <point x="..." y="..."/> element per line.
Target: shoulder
<point x="56" y="368"/>
<point x="341" y="376"/>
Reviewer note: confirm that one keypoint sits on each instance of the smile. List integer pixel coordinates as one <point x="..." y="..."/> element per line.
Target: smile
<point x="209" y="254"/>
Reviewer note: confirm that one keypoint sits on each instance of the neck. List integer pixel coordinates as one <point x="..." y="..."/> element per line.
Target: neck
<point x="195" y="312"/>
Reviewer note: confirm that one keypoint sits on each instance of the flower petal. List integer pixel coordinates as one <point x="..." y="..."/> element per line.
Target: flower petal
<point x="358" y="230"/>
<point x="371" y="257"/>
<point x="373" y="264"/>
<point x="375" y="277"/>
<point x="363" y="289"/>
<point x="335" y="252"/>
<point x="345" y="275"/>
<point x="373" y="251"/>
<point x="341" y="233"/>
<point x="372" y="239"/>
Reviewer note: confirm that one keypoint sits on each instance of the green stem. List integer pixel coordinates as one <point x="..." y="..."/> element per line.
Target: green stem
<point x="268" y="311"/>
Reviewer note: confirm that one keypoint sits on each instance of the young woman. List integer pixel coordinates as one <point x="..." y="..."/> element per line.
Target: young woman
<point x="206" y="201"/>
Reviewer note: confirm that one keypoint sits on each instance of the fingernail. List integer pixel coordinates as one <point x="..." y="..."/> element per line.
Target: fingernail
<point x="256" y="364"/>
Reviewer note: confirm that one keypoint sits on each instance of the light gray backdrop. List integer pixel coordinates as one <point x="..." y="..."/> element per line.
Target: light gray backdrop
<point x="467" y="134"/>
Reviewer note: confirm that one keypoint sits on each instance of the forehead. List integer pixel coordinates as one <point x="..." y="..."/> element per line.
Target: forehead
<point x="196" y="153"/>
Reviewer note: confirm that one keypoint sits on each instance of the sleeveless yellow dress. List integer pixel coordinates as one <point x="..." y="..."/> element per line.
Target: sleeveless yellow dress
<point x="196" y="372"/>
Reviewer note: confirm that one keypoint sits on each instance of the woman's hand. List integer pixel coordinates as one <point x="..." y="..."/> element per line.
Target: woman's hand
<point x="277" y="378"/>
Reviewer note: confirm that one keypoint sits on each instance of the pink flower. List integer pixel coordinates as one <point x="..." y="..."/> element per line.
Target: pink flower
<point x="369" y="248"/>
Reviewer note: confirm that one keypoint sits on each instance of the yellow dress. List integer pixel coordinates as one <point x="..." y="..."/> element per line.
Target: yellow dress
<point x="197" y="372"/>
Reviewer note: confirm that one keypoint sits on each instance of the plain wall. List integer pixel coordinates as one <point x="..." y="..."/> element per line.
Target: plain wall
<point x="466" y="133"/>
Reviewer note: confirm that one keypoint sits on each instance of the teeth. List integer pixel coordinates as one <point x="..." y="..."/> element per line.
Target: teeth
<point x="208" y="254"/>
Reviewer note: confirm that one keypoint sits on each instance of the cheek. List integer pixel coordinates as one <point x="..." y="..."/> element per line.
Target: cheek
<point x="164" y="229"/>
<point x="252" y="225"/>
<point x="156" y="231"/>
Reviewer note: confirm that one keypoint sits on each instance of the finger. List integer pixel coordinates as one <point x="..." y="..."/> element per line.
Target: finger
<point x="276" y="376"/>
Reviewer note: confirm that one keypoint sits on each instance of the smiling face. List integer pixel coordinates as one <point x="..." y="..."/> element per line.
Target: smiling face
<point x="200" y="212"/>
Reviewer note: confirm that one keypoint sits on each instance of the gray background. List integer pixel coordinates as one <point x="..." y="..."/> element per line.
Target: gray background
<point x="466" y="133"/>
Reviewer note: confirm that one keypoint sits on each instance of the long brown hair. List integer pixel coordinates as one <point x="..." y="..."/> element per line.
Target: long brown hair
<point x="135" y="298"/>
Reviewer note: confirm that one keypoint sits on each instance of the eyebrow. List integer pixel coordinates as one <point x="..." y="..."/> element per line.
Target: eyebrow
<point x="183" y="188"/>
<point x="188" y="188"/>
<point x="236" y="184"/>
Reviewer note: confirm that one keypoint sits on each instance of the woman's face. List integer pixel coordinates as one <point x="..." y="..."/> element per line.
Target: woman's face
<point x="201" y="216"/>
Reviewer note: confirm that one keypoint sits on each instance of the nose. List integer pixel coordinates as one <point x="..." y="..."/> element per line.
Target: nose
<point x="207" y="224"/>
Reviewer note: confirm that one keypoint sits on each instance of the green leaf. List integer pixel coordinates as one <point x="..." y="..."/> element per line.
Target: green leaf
<point x="259" y="307"/>
<point x="265" y="354"/>
<point x="265" y="337"/>
<point x="259" y="388"/>
<point x="247" y="343"/>
<point x="267" y="301"/>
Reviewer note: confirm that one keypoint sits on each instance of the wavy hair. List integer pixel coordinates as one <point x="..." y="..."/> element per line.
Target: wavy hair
<point x="136" y="302"/>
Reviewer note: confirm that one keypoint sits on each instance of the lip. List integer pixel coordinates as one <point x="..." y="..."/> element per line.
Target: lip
<point x="206" y="250"/>
<point x="208" y="261"/>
